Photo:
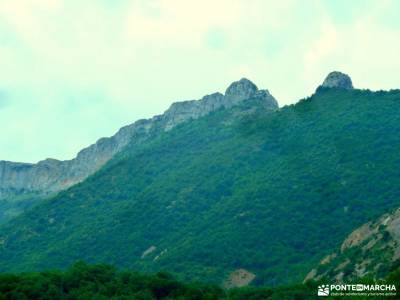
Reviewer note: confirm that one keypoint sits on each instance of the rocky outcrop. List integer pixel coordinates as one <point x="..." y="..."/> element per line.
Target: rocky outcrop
<point x="337" y="80"/>
<point x="372" y="249"/>
<point x="238" y="278"/>
<point x="52" y="175"/>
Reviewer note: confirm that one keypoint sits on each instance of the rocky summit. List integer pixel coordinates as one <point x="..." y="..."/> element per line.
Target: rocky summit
<point x="52" y="175"/>
<point x="240" y="196"/>
<point x="338" y="80"/>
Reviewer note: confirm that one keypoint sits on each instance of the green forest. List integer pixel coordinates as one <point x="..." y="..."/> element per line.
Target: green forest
<point x="271" y="193"/>
<point x="103" y="282"/>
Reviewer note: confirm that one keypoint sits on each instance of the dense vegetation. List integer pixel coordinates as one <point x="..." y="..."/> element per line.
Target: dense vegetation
<point x="98" y="282"/>
<point x="103" y="282"/>
<point x="270" y="193"/>
<point x="12" y="206"/>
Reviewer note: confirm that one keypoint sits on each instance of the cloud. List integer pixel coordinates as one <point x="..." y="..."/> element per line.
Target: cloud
<point x="3" y="100"/>
<point x="74" y="71"/>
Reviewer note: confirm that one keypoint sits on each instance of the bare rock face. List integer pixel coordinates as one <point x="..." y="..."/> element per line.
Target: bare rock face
<point x="237" y="92"/>
<point x="370" y="250"/>
<point x="193" y="109"/>
<point x="245" y="89"/>
<point x="338" y="80"/>
<point x="52" y="175"/>
<point x="242" y="89"/>
<point x="238" y="278"/>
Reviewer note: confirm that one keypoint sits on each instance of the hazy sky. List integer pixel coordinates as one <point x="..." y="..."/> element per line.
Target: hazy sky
<point x="72" y="71"/>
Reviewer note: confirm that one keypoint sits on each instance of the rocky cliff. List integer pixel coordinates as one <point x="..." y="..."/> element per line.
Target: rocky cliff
<point x="337" y="80"/>
<point x="53" y="175"/>
<point x="371" y="250"/>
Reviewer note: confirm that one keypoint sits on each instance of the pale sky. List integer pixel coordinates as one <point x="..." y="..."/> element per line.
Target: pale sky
<point x="72" y="71"/>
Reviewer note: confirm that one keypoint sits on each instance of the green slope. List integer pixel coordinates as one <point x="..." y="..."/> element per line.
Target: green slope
<point x="372" y="250"/>
<point x="11" y="207"/>
<point x="268" y="192"/>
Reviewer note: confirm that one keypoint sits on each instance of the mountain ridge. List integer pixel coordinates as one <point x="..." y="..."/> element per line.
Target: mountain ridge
<point x="52" y="175"/>
<point x="266" y="192"/>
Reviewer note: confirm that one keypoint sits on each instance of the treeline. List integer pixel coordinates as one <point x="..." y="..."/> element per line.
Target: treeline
<point x="100" y="282"/>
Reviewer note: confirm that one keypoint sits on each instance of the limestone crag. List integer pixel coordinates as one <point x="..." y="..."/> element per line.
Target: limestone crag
<point x="338" y="80"/>
<point x="52" y="175"/>
<point x="372" y="249"/>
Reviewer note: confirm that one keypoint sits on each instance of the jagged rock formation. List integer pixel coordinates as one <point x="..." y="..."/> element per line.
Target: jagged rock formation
<point x="52" y="175"/>
<point x="337" y="80"/>
<point x="371" y="250"/>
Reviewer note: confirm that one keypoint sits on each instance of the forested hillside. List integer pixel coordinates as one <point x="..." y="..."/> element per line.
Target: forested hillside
<point x="371" y="250"/>
<point x="103" y="282"/>
<point x="241" y="188"/>
<point x="12" y="206"/>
